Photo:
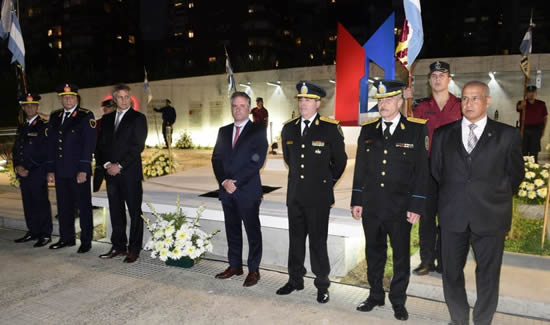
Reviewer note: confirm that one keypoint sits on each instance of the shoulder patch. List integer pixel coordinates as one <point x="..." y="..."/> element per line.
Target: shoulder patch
<point x="417" y="120"/>
<point x="93" y="123"/>
<point x="370" y="121"/>
<point x="329" y="120"/>
<point x="291" y="120"/>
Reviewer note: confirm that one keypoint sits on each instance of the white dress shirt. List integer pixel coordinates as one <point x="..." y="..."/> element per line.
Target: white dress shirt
<point x="303" y="125"/>
<point x="393" y="125"/>
<point x="68" y="111"/>
<point x="240" y="130"/>
<point x="478" y="131"/>
<point x="120" y="115"/>
<point x="29" y="122"/>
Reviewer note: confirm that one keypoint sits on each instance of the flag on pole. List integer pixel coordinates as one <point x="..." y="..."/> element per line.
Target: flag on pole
<point x="15" y="43"/>
<point x="146" y="87"/>
<point x="5" y="18"/>
<point x="525" y="48"/>
<point x="412" y="38"/>
<point x="229" y="70"/>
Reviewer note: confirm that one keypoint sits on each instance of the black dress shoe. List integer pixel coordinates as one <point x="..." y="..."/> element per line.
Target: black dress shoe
<point x="61" y="244"/>
<point x="84" y="248"/>
<point x="369" y="305"/>
<point x="131" y="258"/>
<point x="400" y="312"/>
<point x="288" y="288"/>
<point x="229" y="272"/>
<point x="114" y="253"/>
<point x="26" y="238"/>
<point x="322" y="296"/>
<point x="424" y="269"/>
<point x="43" y="241"/>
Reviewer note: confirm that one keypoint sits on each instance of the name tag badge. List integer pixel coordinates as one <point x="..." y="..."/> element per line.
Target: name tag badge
<point x="32" y="134"/>
<point x="318" y="143"/>
<point x="290" y="142"/>
<point x="405" y="145"/>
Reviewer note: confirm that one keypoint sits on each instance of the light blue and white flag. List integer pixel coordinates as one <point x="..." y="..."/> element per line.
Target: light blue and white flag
<point x="416" y="31"/>
<point x="15" y="43"/>
<point x="146" y="88"/>
<point x="229" y="70"/>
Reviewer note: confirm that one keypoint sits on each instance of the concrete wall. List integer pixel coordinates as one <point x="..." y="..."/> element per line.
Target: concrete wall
<point x="202" y="103"/>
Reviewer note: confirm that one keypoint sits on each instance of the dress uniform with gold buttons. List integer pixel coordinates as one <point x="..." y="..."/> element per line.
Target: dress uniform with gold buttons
<point x="72" y="139"/>
<point x="29" y="157"/>
<point x="390" y="178"/>
<point x="314" y="151"/>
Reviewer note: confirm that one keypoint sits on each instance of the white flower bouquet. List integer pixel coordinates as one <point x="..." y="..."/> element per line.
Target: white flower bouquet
<point x="159" y="164"/>
<point x="174" y="237"/>
<point x="534" y="188"/>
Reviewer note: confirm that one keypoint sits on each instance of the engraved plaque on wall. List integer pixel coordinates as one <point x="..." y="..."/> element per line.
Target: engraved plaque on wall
<point x="216" y="112"/>
<point x="195" y="114"/>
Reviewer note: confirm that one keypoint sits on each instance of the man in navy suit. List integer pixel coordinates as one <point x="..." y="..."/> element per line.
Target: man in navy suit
<point x="478" y="165"/>
<point x="120" y="143"/>
<point x="239" y="154"/>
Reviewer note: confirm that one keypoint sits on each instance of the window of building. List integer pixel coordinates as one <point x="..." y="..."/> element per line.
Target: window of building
<point x="332" y="38"/>
<point x="212" y="59"/>
<point x="131" y="39"/>
<point x="251" y="10"/>
<point x="311" y="56"/>
<point x="119" y="36"/>
<point x="50" y="32"/>
<point x="191" y="34"/>
<point x="286" y="32"/>
<point x="299" y="41"/>
<point x="59" y="44"/>
<point x="177" y="4"/>
<point x="191" y="5"/>
<point x="178" y="34"/>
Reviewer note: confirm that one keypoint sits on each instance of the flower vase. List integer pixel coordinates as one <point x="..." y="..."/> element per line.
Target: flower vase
<point x="184" y="262"/>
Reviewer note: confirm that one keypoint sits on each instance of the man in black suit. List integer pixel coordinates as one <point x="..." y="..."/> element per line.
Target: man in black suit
<point x="389" y="192"/>
<point x="168" y="119"/>
<point x="314" y="150"/>
<point x="478" y="165"/>
<point x="239" y="154"/>
<point x="120" y="143"/>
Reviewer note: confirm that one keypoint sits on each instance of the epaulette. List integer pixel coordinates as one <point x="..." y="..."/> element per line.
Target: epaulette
<point x="85" y="110"/>
<point x="417" y="120"/>
<point x="370" y="121"/>
<point x="416" y="102"/>
<point x="329" y="120"/>
<point x="291" y="120"/>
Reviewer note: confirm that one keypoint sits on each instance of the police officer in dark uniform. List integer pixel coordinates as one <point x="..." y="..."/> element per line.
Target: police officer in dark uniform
<point x="29" y="161"/>
<point x="389" y="192"/>
<point x="71" y="142"/>
<point x="313" y="149"/>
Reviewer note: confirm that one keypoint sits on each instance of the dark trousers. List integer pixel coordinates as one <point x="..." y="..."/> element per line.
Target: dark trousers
<point x="71" y="195"/>
<point x="122" y="191"/>
<point x="429" y="231"/>
<point x="236" y="213"/>
<point x="376" y="235"/>
<point x="313" y="222"/>
<point x="530" y="143"/>
<point x="36" y="204"/>
<point x="488" y="251"/>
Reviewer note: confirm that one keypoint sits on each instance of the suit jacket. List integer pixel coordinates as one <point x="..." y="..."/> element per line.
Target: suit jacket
<point x="476" y="189"/>
<point x="241" y="163"/>
<point x="71" y="144"/>
<point x="391" y="175"/>
<point x="315" y="161"/>
<point x="125" y="145"/>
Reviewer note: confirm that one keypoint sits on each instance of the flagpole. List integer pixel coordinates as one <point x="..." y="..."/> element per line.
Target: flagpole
<point x="409" y="100"/>
<point x="526" y="73"/>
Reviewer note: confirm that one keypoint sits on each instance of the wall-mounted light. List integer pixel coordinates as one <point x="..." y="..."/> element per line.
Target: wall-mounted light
<point x="245" y="85"/>
<point x="332" y="81"/>
<point x="274" y="83"/>
<point x="492" y="75"/>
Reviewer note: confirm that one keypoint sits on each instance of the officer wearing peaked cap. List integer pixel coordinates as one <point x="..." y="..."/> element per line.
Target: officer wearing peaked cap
<point x="71" y="142"/>
<point x="313" y="149"/>
<point x="29" y="160"/>
<point x="389" y="183"/>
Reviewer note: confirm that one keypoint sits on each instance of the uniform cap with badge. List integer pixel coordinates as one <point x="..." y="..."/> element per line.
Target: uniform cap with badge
<point x="531" y="88"/>
<point x="67" y="89"/>
<point x="440" y="66"/>
<point x="388" y="88"/>
<point x="308" y="89"/>
<point x="29" y="98"/>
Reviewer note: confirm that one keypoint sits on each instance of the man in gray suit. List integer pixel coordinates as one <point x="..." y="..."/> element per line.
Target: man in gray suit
<point x="478" y="165"/>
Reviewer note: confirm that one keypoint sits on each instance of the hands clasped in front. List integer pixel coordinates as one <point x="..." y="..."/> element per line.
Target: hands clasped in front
<point x="357" y="211"/>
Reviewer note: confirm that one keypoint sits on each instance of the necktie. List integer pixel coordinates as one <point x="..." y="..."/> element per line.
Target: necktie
<point x="387" y="133"/>
<point x="237" y="132"/>
<point x="65" y="117"/>
<point x="472" y="138"/>
<point x="306" y="128"/>
<point x="117" y="120"/>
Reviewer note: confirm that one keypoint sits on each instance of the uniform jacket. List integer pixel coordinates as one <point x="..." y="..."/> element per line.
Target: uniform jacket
<point x="315" y="161"/>
<point x="476" y="189"/>
<point x="241" y="163"/>
<point x="71" y="144"/>
<point x="125" y="145"/>
<point x="30" y="149"/>
<point x="391" y="176"/>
